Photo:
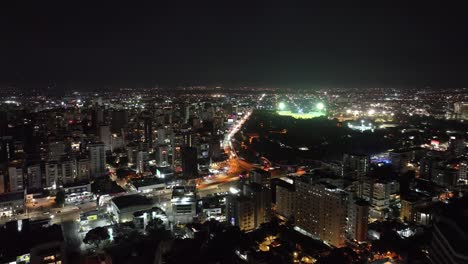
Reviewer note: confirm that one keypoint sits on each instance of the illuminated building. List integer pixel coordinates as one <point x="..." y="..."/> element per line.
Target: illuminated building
<point x="68" y="171"/>
<point x="355" y="166"/>
<point x="11" y="203"/>
<point x="97" y="160"/>
<point x="380" y="194"/>
<point x="413" y="207"/>
<point x="183" y="206"/>
<point x="49" y="253"/>
<point x="148" y="128"/>
<point x="52" y="174"/>
<point x="357" y="220"/>
<point x="320" y="210"/>
<point x="261" y="197"/>
<point x="34" y="176"/>
<point x="15" y="175"/>
<point x="105" y="136"/>
<point x="240" y="212"/>
<point x="460" y="110"/>
<point x="123" y="207"/>
<point x="285" y="195"/>
<point x="250" y="207"/>
<point x="82" y="169"/>
<point x="162" y="156"/>
<point x="142" y="161"/>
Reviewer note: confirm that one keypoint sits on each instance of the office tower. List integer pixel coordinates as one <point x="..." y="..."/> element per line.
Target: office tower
<point x="15" y="175"/>
<point x="97" y="160"/>
<point x="82" y="170"/>
<point x="320" y="210"/>
<point x="142" y="161"/>
<point x="355" y="166"/>
<point x="148" y="128"/>
<point x="52" y="171"/>
<point x="240" y="212"/>
<point x="162" y="156"/>
<point x="34" y="176"/>
<point x="69" y="171"/>
<point x="357" y="221"/>
<point x="119" y="120"/>
<point x="285" y="196"/>
<point x="105" y="136"/>
<point x="189" y="162"/>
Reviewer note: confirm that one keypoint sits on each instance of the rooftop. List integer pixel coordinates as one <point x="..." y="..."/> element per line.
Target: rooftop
<point x="131" y="200"/>
<point x="11" y="196"/>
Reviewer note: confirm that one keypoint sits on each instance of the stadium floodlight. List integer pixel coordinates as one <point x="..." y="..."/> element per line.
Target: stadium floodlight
<point x="281" y="106"/>
<point x="320" y="106"/>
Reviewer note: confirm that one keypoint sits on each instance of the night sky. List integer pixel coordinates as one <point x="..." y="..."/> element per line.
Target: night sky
<point x="116" y="45"/>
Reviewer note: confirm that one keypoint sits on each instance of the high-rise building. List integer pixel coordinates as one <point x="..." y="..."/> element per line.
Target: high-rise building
<point x="240" y="212"/>
<point x="355" y="166"/>
<point x="69" y="171"/>
<point x="161" y="136"/>
<point x="162" y="156"/>
<point x="7" y="149"/>
<point x="56" y="150"/>
<point x="261" y="197"/>
<point x="357" y="220"/>
<point x="285" y="196"/>
<point x="463" y="170"/>
<point x="448" y="242"/>
<point x="380" y="194"/>
<point x="34" y="176"/>
<point x="97" y="160"/>
<point x="105" y="136"/>
<point x="321" y="210"/>
<point x="189" y="162"/>
<point x="148" y="128"/>
<point x="52" y="171"/>
<point x="457" y="145"/>
<point x="82" y="170"/>
<point x="460" y="110"/>
<point x="142" y="161"/>
<point x="15" y="175"/>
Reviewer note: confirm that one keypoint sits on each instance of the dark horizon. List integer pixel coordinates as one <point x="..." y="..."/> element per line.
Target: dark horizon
<point x="264" y="45"/>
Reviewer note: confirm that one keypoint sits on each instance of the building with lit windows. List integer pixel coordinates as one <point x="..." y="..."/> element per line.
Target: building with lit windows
<point x="321" y="210"/>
